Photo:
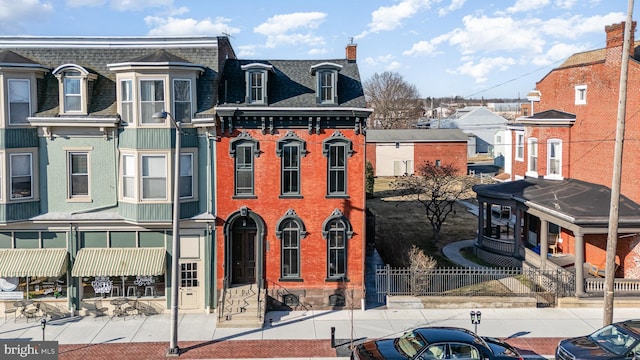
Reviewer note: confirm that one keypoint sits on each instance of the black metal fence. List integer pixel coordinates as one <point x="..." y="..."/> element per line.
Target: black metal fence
<point x="544" y="285"/>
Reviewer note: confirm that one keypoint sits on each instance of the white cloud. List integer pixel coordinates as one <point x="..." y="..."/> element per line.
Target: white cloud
<point x="394" y="65"/>
<point x="557" y="53"/>
<point x="528" y="5"/>
<point x="489" y="34"/>
<point x="292" y="29"/>
<point x="566" y="4"/>
<point x="387" y="18"/>
<point x="453" y="6"/>
<point x="14" y="13"/>
<point x="480" y="70"/>
<point x="85" y="3"/>
<point x="380" y="59"/>
<point x="246" y="50"/>
<point x="127" y="5"/>
<point x="175" y="26"/>
<point x="317" y="51"/>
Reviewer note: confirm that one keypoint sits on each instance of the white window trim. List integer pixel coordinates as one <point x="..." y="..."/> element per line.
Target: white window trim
<point x="132" y="101"/>
<point x="70" y="196"/>
<point x="581" y="94"/>
<point x="519" y="144"/>
<point x="9" y="81"/>
<point x="138" y="178"/>
<point x="193" y="175"/>
<point x="31" y="174"/>
<point x="138" y="101"/>
<point x="84" y="77"/>
<point x="559" y="157"/>
<point x="530" y="172"/>
<point x="334" y="91"/>
<point x="173" y="98"/>
<point x="249" y="94"/>
<point x="167" y="177"/>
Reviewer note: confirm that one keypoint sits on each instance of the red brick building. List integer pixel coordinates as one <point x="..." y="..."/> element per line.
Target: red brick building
<point x="396" y="152"/>
<point x="563" y="163"/>
<point x="290" y="181"/>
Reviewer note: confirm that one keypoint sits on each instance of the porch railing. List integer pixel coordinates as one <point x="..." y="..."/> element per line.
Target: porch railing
<point x="499" y="246"/>
<point x="620" y="286"/>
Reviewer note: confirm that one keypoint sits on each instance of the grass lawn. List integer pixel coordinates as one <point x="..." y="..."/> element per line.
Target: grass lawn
<point x="401" y="222"/>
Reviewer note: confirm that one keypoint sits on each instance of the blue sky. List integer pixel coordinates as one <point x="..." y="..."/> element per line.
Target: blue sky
<point x="467" y="48"/>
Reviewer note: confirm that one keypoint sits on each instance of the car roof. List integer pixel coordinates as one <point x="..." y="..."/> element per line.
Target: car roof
<point x="436" y="334"/>
<point x="631" y="325"/>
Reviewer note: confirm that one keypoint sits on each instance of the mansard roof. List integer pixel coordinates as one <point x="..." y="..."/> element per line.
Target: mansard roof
<point x="291" y="84"/>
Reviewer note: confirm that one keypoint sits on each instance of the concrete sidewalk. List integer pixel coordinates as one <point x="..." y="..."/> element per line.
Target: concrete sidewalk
<point x="519" y="325"/>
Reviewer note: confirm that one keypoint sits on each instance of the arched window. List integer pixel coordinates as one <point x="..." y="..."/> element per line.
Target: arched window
<point x="290" y="230"/>
<point x="337" y="149"/>
<point x="244" y="149"/>
<point x="337" y="230"/>
<point x="290" y="149"/>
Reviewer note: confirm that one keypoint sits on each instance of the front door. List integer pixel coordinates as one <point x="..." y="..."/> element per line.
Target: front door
<point x="243" y="252"/>
<point x="189" y="290"/>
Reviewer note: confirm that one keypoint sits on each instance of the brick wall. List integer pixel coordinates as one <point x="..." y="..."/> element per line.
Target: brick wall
<point x="454" y="153"/>
<point x="314" y="208"/>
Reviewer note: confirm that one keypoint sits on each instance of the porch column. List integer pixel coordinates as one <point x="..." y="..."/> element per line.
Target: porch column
<point x="544" y="241"/>
<point x="579" y="264"/>
<point x="480" y="224"/>
<point x="489" y="216"/>
<point x="517" y="233"/>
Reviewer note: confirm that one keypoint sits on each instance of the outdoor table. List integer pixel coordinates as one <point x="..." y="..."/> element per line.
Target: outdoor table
<point x="117" y="303"/>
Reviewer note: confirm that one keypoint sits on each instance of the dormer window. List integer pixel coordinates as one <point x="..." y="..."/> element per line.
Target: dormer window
<point x="256" y="78"/>
<point x="74" y="83"/>
<point x="326" y="82"/>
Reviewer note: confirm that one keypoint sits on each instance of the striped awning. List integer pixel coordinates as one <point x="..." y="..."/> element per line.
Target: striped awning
<point x="119" y="262"/>
<point x="33" y="262"/>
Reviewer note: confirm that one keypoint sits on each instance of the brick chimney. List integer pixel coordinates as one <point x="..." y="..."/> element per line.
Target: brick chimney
<point x="615" y="35"/>
<point x="351" y="51"/>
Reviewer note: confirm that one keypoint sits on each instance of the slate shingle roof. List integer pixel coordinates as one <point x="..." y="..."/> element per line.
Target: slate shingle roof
<point x="416" y="135"/>
<point x="291" y="84"/>
<point x="588" y="204"/>
<point x="95" y="59"/>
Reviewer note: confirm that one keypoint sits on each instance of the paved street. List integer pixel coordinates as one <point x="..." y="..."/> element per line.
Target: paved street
<point x="299" y="334"/>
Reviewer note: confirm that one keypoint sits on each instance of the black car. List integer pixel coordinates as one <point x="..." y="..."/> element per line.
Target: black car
<point x="619" y="340"/>
<point x="431" y="343"/>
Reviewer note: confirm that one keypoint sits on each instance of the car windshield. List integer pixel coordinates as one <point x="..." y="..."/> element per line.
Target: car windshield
<point x="613" y="339"/>
<point x="410" y="343"/>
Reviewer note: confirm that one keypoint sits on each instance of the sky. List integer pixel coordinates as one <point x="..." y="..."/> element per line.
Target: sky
<point x="463" y="48"/>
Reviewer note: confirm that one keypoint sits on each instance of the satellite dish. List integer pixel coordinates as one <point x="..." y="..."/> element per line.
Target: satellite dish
<point x="8" y="284"/>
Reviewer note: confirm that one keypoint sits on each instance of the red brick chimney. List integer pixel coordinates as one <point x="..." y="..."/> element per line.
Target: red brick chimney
<point x="351" y="51"/>
<point x="615" y="35"/>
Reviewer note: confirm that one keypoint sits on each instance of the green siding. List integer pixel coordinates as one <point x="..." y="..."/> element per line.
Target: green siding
<point x="146" y="212"/>
<point x="54" y="240"/>
<point x="93" y="239"/>
<point x="152" y="239"/>
<point x="146" y="138"/>
<point x="103" y="173"/>
<point x="18" y="138"/>
<point x="27" y="240"/>
<point x="6" y="241"/>
<point x="123" y="239"/>
<point x="19" y="211"/>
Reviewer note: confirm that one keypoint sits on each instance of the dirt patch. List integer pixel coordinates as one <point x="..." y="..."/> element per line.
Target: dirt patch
<point x="401" y="223"/>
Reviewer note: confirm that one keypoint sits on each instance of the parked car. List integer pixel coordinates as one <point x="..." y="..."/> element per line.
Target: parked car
<point x="431" y="343"/>
<point x="619" y="340"/>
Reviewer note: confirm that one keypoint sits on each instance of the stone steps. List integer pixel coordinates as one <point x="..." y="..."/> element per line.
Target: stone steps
<point x="241" y="308"/>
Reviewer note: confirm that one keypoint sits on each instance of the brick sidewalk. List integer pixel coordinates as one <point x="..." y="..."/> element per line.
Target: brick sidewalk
<point x="233" y="349"/>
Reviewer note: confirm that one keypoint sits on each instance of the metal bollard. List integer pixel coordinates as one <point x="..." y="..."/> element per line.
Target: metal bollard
<point x="333" y="337"/>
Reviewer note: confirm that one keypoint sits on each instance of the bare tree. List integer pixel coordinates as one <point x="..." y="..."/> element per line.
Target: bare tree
<point x="395" y="102"/>
<point x="437" y="188"/>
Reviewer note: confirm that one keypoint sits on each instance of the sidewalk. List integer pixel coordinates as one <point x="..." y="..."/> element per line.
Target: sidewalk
<point x="300" y="334"/>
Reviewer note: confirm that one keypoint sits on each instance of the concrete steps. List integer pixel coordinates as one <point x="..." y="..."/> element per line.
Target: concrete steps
<point x="241" y="308"/>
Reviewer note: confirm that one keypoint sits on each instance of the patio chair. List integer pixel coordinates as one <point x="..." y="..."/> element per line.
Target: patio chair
<point x="100" y="309"/>
<point x="31" y="311"/>
<point x="553" y="244"/>
<point x="9" y="310"/>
